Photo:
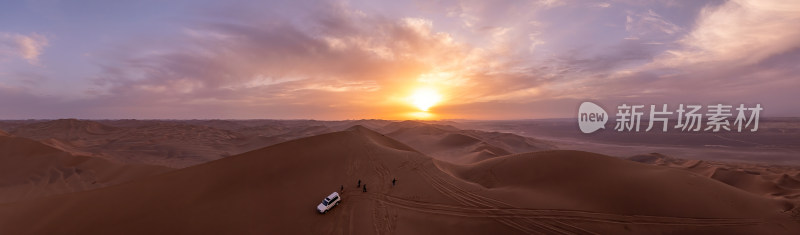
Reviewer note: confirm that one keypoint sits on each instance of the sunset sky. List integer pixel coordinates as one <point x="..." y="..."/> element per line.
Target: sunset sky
<point x="390" y="59"/>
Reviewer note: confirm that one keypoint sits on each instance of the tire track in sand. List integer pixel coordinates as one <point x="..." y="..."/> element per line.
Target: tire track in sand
<point x="549" y="220"/>
<point x="381" y="215"/>
<point x="469" y="199"/>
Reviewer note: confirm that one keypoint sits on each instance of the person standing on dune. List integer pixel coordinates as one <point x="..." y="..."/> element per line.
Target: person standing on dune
<point x="394" y="181"/>
<point x="359" y="183"/>
<point x="365" y="188"/>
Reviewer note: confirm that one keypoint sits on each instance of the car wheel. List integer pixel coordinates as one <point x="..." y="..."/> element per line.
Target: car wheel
<point x="337" y="203"/>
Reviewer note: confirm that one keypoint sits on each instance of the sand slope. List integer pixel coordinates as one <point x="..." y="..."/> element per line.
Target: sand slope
<point x="30" y="169"/>
<point x="598" y="182"/>
<point x="451" y="144"/>
<point x="275" y="189"/>
<point x="779" y="182"/>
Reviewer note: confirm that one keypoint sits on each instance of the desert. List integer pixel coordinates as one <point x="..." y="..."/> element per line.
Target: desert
<point x="524" y="186"/>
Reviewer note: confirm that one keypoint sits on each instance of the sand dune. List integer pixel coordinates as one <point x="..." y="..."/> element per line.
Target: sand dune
<point x="30" y="169"/>
<point x="774" y="143"/>
<point x="171" y="144"/>
<point x="64" y="129"/>
<point x="573" y="178"/>
<point x="182" y="143"/>
<point x="274" y="190"/>
<point x="779" y="182"/>
<point x="451" y="144"/>
<point x="431" y="127"/>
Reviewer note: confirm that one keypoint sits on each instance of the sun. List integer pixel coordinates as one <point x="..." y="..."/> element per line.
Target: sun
<point x="424" y="98"/>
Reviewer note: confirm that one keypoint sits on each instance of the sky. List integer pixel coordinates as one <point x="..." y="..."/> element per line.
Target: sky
<point x="357" y="59"/>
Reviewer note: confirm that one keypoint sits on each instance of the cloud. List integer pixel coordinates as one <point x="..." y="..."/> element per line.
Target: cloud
<point x="340" y="56"/>
<point x="336" y="57"/>
<point x="738" y="32"/>
<point x="735" y="52"/>
<point x="602" y="5"/>
<point x="27" y="47"/>
<point x="331" y="60"/>
<point x="649" y="23"/>
<point x="550" y="3"/>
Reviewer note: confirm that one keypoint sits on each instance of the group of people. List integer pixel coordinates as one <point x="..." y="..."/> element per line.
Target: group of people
<point x="364" y="187"/>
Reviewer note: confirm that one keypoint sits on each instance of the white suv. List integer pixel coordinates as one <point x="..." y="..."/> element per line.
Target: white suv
<point x="329" y="202"/>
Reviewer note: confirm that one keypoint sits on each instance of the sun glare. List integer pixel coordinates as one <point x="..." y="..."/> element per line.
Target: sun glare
<point x="425" y="98"/>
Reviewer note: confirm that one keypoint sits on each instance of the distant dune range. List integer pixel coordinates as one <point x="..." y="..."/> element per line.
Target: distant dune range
<point x="775" y="142"/>
<point x="448" y="143"/>
<point x="451" y="180"/>
<point x="178" y="144"/>
<point x="168" y="144"/>
<point x="29" y="169"/>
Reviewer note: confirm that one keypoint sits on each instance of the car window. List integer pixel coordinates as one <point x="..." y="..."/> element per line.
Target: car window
<point x="334" y="198"/>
